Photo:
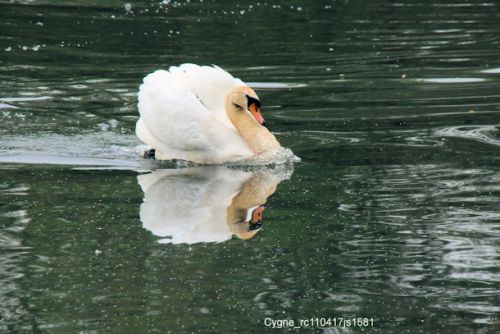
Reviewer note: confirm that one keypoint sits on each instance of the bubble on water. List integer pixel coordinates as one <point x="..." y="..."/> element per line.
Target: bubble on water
<point x="20" y="116"/>
<point x="8" y="49"/>
<point x="128" y="7"/>
<point x="113" y="123"/>
<point x="103" y="126"/>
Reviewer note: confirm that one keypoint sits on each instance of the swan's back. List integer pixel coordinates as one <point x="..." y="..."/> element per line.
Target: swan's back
<point x="182" y="115"/>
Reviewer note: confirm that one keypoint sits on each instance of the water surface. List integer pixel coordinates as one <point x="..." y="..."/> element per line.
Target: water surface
<point x="392" y="214"/>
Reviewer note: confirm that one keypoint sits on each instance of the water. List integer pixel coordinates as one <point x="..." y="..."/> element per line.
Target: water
<point x="392" y="214"/>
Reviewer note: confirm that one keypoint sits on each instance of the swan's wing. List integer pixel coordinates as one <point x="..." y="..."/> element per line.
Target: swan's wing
<point x="211" y="85"/>
<point x="178" y="123"/>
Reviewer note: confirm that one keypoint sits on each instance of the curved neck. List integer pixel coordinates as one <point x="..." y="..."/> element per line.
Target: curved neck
<point x="255" y="135"/>
<point x="258" y="138"/>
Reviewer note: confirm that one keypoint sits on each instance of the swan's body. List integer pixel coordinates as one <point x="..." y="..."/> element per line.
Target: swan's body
<point x="201" y="114"/>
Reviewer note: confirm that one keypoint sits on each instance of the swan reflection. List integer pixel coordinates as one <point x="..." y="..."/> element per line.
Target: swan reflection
<point x="207" y="204"/>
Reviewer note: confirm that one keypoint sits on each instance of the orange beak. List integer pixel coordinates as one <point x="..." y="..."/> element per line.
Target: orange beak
<point x="256" y="113"/>
<point x="258" y="214"/>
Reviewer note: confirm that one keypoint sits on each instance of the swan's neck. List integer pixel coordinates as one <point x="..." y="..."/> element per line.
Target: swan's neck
<point x="258" y="137"/>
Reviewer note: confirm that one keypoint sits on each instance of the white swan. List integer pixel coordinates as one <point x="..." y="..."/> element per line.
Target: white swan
<point x="201" y="114"/>
<point x="207" y="204"/>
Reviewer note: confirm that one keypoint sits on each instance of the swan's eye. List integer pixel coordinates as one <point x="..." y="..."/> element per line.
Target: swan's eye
<point x="237" y="106"/>
<point x="251" y="100"/>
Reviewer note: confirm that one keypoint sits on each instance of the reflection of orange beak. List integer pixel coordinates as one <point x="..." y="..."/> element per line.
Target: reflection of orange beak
<point x="258" y="214"/>
<point x="256" y="113"/>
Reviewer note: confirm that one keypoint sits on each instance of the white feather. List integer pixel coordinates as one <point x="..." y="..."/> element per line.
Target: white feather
<point x="183" y="115"/>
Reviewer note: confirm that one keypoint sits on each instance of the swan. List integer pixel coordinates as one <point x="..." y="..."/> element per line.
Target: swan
<point x="201" y="114"/>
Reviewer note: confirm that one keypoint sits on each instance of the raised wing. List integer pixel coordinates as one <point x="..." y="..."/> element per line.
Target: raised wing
<point x="211" y="85"/>
<point x="183" y="117"/>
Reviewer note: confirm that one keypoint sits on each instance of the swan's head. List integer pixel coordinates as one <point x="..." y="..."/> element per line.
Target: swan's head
<point x="242" y="101"/>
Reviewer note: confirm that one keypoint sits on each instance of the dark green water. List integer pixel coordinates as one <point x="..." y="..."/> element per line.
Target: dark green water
<point x="393" y="213"/>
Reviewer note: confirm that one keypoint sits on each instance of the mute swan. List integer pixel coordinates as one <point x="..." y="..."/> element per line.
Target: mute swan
<point x="201" y="114"/>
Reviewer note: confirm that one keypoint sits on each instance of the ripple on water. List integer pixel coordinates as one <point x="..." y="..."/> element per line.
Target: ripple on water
<point x="492" y="70"/>
<point x="104" y="148"/>
<point x="6" y="106"/>
<point x="482" y="134"/>
<point x="451" y="80"/>
<point x="452" y="240"/>
<point x="276" y="85"/>
<point x="25" y="99"/>
<point x="12" y="222"/>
